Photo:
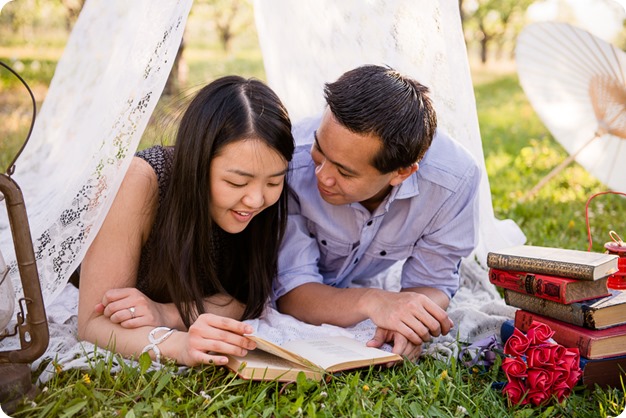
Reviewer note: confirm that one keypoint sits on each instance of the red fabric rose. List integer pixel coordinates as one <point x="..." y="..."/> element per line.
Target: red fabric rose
<point x="515" y="391"/>
<point x="574" y="377"/>
<point x="539" y="333"/>
<point x="561" y="374"/>
<point x="570" y="358"/>
<point x="558" y="351"/>
<point x="540" y="379"/>
<point x="538" y="369"/>
<point x="541" y="355"/>
<point x="514" y="367"/>
<point x="561" y="391"/>
<point x="517" y="344"/>
<point x="538" y="397"/>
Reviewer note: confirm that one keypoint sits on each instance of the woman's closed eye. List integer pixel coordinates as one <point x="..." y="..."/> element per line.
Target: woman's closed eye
<point x="238" y="185"/>
<point x="277" y="182"/>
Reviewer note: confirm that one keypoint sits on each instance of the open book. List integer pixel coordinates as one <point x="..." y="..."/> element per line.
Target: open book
<point x="312" y="357"/>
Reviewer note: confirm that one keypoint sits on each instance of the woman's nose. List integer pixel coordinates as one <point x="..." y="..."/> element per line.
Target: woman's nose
<point x="254" y="198"/>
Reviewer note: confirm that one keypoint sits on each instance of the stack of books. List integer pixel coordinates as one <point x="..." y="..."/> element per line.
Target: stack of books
<point x="567" y="290"/>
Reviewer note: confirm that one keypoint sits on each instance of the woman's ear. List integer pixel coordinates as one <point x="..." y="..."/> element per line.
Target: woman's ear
<point x="401" y="174"/>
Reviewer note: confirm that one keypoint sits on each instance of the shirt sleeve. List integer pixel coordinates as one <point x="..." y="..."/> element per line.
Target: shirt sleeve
<point x="453" y="234"/>
<point x="298" y="256"/>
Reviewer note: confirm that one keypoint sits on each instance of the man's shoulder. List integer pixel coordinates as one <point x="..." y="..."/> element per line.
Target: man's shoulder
<point x="447" y="162"/>
<point x="301" y="156"/>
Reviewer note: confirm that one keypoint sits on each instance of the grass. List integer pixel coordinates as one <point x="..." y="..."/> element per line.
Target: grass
<point x="518" y="152"/>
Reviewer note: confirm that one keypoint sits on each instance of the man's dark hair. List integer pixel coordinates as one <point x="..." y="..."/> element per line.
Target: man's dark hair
<point x="379" y="100"/>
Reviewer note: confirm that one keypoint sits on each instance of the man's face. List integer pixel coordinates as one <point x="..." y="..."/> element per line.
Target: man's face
<point x="343" y="165"/>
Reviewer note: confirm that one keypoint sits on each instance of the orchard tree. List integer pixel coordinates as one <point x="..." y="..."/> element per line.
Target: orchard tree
<point x="230" y="17"/>
<point x="490" y="22"/>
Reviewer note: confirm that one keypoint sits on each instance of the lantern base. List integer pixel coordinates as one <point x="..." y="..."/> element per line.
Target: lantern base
<point x="617" y="281"/>
<point x="15" y="384"/>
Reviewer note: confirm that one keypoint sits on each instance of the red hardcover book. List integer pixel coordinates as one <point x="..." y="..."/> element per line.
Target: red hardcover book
<point x="554" y="288"/>
<point x="592" y="343"/>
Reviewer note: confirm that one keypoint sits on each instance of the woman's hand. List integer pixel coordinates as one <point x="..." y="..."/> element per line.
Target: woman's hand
<point x="132" y="309"/>
<point x="208" y="338"/>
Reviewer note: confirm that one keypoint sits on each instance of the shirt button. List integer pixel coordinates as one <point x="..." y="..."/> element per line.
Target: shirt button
<point x="383" y="253"/>
<point x="369" y="223"/>
<point x="323" y="242"/>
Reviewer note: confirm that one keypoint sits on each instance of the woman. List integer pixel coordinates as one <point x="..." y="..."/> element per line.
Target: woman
<point x="190" y="244"/>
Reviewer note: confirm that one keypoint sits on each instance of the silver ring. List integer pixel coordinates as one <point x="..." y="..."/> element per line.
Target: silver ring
<point x="132" y="312"/>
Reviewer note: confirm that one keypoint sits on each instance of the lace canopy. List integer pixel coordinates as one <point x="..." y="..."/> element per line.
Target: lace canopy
<point x="113" y="71"/>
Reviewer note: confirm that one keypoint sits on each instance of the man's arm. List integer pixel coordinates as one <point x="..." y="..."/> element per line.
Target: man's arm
<point x="411" y="313"/>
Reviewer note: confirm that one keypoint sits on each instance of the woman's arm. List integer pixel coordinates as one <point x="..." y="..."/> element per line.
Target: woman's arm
<point x="115" y="305"/>
<point x="112" y="262"/>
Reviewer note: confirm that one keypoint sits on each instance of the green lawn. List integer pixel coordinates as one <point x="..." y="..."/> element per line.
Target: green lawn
<point x="518" y="152"/>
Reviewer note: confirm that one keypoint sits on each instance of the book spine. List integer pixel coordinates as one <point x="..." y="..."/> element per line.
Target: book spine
<point x="540" y="266"/>
<point x="542" y="286"/>
<point x="575" y="313"/>
<point x="563" y="333"/>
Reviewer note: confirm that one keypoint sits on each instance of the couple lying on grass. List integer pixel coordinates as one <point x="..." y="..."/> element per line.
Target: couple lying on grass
<point x="234" y="218"/>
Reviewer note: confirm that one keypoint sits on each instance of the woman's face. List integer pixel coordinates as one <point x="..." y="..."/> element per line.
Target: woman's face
<point x="247" y="176"/>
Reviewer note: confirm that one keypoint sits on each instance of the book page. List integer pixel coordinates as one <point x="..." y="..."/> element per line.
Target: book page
<point x="336" y="353"/>
<point x="279" y="351"/>
<point x="260" y="365"/>
<point x="328" y="353"/>
<point x="558" y="254"/>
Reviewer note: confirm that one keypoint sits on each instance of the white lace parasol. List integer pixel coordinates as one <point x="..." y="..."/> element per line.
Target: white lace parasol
<point x="577" y="84"/>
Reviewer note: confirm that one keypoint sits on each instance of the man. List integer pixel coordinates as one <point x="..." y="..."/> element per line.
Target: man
<point x="378" y="185"/>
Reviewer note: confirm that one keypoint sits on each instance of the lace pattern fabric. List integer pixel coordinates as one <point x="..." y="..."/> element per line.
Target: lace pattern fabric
<point x="310" y="42"/>
<point x="105" y="87"/>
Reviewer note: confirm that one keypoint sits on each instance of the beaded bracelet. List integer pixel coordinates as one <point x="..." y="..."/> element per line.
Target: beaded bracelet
<point x="154" y="342"/>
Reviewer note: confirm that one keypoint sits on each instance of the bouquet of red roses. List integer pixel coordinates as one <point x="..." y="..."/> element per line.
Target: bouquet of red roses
<point x="537" y="368"/>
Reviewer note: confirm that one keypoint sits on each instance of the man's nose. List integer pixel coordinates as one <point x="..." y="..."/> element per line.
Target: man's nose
<point x="323" y="173"/>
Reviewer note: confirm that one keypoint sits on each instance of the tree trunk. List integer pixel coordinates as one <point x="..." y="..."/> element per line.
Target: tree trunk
<point x="173" y="83"/>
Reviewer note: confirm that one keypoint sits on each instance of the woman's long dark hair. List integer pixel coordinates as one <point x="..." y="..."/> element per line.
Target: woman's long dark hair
<point x="184" y="258"/>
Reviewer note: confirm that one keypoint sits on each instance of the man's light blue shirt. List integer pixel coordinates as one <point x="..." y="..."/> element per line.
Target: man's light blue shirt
<point x="429" y="220"/>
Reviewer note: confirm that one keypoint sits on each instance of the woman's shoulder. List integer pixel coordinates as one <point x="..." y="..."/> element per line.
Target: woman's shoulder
<point x="160" y="159"/>
<point x="140" y="179"/>
<point x="158" y="156"/>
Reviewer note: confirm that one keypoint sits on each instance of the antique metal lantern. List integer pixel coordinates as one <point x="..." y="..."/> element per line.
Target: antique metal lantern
<point x="31" y="326"/>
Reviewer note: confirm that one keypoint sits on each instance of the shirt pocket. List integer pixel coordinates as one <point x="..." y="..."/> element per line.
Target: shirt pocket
<point x="333" y="251"/>
<point x="382" y="250"/>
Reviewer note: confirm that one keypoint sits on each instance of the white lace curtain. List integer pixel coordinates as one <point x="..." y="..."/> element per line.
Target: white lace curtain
<point x="104" y="90"/>
<point x="308" y="42"/>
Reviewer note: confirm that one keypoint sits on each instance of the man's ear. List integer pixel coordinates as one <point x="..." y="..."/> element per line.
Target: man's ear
<point x="401" y="174"/>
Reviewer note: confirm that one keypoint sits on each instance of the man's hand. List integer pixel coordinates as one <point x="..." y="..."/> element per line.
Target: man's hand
<point x="413" y="315"/>
<point x="401" y="345"/>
